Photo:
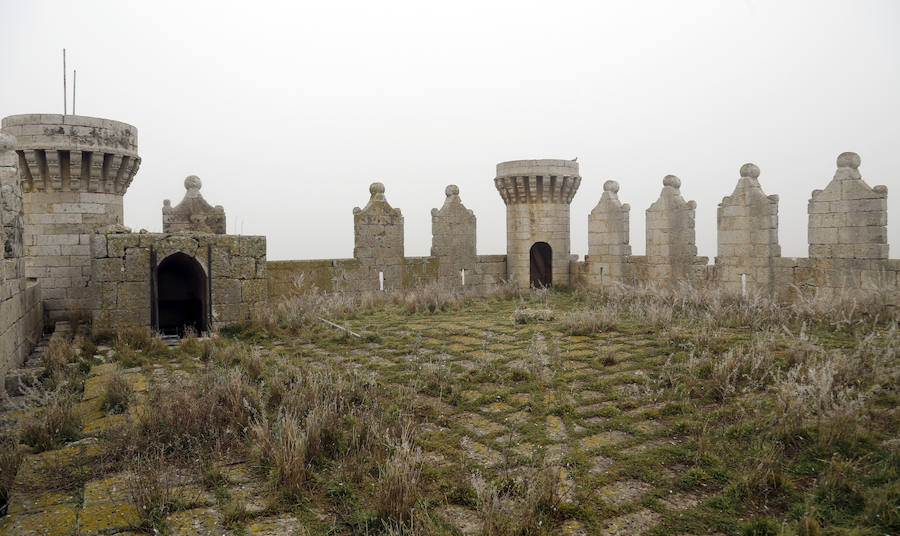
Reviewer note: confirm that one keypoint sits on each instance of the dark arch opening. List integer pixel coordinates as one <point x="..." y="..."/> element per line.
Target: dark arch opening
<point x="541" y="274"/>
<point x="182" y="302"/>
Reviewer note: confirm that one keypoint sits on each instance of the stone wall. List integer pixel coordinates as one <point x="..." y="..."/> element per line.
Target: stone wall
<point x="121" y="274"/>
<point x="73" y="171"/>
<point x="347" y="276"/>
<point x="21" y="318"/>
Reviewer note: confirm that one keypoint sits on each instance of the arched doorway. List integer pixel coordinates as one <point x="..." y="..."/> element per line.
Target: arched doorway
<point x="541" y="273"/>
<point x="182" y="303"/>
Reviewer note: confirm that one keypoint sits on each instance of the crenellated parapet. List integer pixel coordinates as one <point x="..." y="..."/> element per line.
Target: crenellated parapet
<point x="848" y="219"/>
<point x="71" y="153"/>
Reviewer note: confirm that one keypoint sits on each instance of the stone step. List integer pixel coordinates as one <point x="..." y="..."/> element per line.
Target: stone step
<point x="29" y="373"/>
<point x="171" y="340"/>
<point x="18" y="380"/>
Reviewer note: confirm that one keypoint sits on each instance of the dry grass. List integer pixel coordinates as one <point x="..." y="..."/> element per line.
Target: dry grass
<point x="130" y="338"/>
<point x="829" y="390"/>
<point x="55" y="360"/>
<point x="432" y="297"/>
<point x="527" y="315"/>
<point x="53" y="424"/>
<point x="118" y="393"/>
<point x="399" y="480"/>
<point x="307" y="304"/>
<point x="588" y="321"/>
<point x="212" y="411"/>
<point x="520" y="508"/>
<point x="152" y="489"/>
<point x="10" y="460"/>
<point x="280" y="448"/>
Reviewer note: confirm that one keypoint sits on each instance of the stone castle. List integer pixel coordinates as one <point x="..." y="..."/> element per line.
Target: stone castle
<point x="66" y="253"/>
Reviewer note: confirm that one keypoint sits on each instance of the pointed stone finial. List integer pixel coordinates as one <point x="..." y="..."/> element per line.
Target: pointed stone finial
<point x="452" y="190"/>
<point x="848" y="160"/>
<point x="672" y="181"/>
<point x="611" y="186"/>
<point x="750" y="171"/>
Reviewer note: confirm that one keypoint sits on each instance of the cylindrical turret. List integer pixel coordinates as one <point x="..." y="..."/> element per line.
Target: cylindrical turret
<point x="74" y="171"/>
<point x="537" y="194"/>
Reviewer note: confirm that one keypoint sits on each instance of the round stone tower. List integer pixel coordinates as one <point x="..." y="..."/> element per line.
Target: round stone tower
<point x="74" y="171"/>
<point x="537" y="194"/>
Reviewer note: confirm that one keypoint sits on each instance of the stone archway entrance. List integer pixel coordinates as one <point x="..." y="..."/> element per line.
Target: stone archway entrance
<point x="541" y="272"/>
<point x="182" y="292"/>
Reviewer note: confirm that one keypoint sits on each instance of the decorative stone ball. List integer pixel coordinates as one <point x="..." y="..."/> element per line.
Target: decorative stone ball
<point x="750" y="170"/>
<point x="848" y="160"/>
<point x="7" y="142"/>
<point x="376" y="188"/>
<point x="672" y="180"/>
<point x="451" y="189"/>
<point x="611" y="186"/>
<point x="192" y="182"/>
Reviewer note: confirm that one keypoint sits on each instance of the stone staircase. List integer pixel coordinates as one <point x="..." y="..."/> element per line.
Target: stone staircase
<point x="20" y="380"/>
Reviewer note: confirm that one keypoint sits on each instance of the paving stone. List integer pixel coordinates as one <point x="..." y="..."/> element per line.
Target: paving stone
<point x="29" y="503"/>
<point x="107" y="505"/>
<point x="555" y="453"/>
<point x="195" y="522"/>
<point x="58" y="520"/>
<point x="603" y="439"/>
<point x="624" y="492"/>
<point x="573" y="527"/>
<point x="600" y="464"/>
<point x="526" y="450"/>
<point x="465" y="520"/>
<point x="481" y="454"/>
<point x="681" y="500"/>
<point x="556" y="428"/>
<point x="631" y="524"/>
<point x="281" y="525"/>
<point x="254" y="497"/>
<point x="478" y="425"/>
<point x="645" y="446"/>
<point x="497" y="407"/>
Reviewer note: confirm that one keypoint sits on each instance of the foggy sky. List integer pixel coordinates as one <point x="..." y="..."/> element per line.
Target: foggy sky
<point x="288" y="111"/>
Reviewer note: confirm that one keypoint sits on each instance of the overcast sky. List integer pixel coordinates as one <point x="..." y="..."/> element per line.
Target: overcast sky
<point x="288" y="111"/>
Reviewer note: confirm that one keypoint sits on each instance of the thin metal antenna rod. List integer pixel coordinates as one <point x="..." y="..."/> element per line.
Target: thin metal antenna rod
<point x="74" y="81"/>
<point x="65" y="91"/>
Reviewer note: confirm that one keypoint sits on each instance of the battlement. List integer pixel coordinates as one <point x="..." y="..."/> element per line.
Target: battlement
<point x="537" y="181"/>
